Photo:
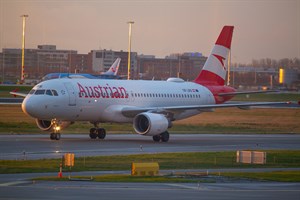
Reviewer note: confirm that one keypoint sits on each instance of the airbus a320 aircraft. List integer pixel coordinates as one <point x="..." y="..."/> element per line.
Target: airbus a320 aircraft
<point x="151" y="106"/>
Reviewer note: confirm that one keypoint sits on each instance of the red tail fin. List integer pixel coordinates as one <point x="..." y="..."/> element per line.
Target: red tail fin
<point x="214" y="70"/>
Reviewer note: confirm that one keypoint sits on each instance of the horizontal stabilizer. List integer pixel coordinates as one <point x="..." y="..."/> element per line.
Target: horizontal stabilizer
<point x="18" y="94"/>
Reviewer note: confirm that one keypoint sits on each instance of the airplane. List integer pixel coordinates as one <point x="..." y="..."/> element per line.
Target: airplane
<point x="151" y="106"/>
<point x="111" y="73"/>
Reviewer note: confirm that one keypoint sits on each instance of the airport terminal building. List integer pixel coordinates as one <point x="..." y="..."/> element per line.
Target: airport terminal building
<point x="47" y="59"/>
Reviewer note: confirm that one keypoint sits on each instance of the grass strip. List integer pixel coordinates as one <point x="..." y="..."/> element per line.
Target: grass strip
<point x="280" y="176"/>
<point x="197" y="160"/>
<point x="122" y="178"/>
<point x="227" y="120"/>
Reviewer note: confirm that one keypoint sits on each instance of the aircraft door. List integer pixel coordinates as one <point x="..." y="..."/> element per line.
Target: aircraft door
<point x="71" y="92"/>
<point x="132" y="96"/>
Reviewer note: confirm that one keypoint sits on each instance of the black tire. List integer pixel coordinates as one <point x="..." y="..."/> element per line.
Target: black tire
<point x="93" y="133"/>
<point x="57" y="136"/>
<point x="101" y="133"/>
<point x="156" y="138"/>
<point x="52" y="136"/>
<point x="165" y="136"/>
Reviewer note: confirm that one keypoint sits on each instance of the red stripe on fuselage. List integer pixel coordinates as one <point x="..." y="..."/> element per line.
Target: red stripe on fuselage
<point x="209" y="78"/>
<point x="216" y="89"/>
<point x="215" y="84"/>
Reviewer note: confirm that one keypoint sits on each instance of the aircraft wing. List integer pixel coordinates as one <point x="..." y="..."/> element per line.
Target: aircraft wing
<point x="246" y="92"/>
<point x="133" y="111"/>
<point x="18" y="94"/>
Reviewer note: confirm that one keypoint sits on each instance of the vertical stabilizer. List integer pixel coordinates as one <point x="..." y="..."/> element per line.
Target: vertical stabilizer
<point x="214" y="70"/>
<point x="113" y="70"/>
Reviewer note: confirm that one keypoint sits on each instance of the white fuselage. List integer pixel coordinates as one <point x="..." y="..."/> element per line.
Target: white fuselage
<point x="102" y="100"/>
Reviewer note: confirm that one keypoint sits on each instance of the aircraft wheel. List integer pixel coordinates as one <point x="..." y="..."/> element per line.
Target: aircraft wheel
<point x="165" y="136"/>
<point x="156" y="138"/>
<point x="57" y="136"/>
<point x="52" y="136"/>
<point x="93" y="133"/>
<point x="101" y="133"/>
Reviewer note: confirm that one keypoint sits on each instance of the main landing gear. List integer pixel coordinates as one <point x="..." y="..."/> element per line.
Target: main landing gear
<point x="97" y="132"/>
<point x="164" y="137"/>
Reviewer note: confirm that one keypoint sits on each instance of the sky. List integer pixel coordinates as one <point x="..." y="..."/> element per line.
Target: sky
<point x="263" y="28"/>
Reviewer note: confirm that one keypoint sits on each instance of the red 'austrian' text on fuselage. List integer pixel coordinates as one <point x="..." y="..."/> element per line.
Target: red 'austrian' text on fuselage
<point x="101" y="91"/>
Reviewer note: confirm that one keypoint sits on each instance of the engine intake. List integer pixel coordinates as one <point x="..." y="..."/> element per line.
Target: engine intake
<point x="150" y="124"/>
<point x="46" y="125"/>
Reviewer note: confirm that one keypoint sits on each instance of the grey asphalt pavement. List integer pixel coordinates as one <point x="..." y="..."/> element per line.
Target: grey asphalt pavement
<point x="88" y="190"/>
<point x="40" y="146"/>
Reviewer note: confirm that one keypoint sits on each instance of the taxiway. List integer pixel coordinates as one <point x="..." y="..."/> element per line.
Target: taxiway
<point x="14" y="147"/>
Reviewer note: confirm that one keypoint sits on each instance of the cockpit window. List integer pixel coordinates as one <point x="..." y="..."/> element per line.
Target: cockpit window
<point x="54" y="93"/>
<point x="48" y="92"/>
<point x="39" y="92"/>
<point x="32" y="91"/>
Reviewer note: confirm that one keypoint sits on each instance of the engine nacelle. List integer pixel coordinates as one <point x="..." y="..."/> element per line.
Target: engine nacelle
<point x="150" y="124"/>
<point x="46" y="125"/>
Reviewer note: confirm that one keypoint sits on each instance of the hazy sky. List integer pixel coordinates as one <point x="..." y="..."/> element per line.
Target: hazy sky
<point x="263" y="28"/>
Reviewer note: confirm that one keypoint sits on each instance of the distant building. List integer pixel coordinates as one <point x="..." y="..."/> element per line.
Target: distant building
<point x="52" y="60"/>
<point x="47" y="59"/>
<point x="38" y="62"/>
<point x="186" y="66"/>
<point x="81" y="63"/>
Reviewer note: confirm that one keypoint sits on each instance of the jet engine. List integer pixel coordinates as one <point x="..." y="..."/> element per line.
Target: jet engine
<point x="46" y="125"/>
<point x="150" y="124"/>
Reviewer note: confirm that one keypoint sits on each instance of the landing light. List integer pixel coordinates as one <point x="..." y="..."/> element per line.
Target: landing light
<point x="57" y="128"/>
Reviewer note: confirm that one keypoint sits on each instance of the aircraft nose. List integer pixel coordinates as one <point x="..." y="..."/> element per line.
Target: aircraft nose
<point x="28" y="107"/>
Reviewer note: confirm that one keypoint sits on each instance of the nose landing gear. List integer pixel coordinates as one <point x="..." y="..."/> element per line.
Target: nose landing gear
<point x="56" y="128"/>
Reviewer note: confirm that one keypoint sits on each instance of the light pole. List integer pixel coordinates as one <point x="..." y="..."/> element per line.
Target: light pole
<point x="129" y="50"/>
<point x="228" y="68"/>
<point x="23" y="49"/>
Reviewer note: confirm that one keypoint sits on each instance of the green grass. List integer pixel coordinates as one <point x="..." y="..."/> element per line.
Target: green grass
<point x="17" y="128"/>
<point x="281" y="176"/>
<point x="216" y="128"/>
<point x="124" y="179"/>
<point x="199" y="160"/>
